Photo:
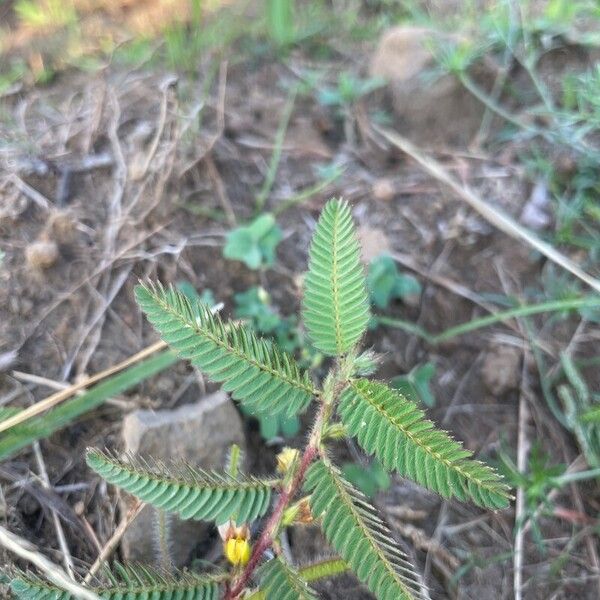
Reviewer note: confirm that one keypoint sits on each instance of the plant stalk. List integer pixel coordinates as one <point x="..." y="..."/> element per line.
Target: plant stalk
<point x="269" y="533"/>
<point x="519" y="311"/>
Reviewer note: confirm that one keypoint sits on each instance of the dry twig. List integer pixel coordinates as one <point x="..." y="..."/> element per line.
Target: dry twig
<point x="114" y="540"/>
<point x="60" y="534"/>
<point x="523" y="446"/>
<point x="497" y="218"/>
<point x="55" y="574"/>
<point x="62" y="395"/>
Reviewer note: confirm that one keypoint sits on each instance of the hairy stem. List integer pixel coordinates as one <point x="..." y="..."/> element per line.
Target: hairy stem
<point x="162" y="526"/>
<point x="319" y="570"/>
<point x="270" y="531"/>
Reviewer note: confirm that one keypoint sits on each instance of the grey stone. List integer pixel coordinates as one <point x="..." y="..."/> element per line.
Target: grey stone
<point x="429" y="108"/>
<point x="501" y="369"/>
<point x="200" y="434"/>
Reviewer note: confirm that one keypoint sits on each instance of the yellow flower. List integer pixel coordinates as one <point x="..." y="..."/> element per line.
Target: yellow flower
<point x="285" y="459"/>
<point x="237" y="551"/>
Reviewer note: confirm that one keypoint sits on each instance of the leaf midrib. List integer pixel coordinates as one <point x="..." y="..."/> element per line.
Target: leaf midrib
<point x="233" y="350"/>
<point x="358" y="520"/>
<point x="452" y="466"/>
<point x="169" y="480"/>
<point x="335" y="292"/>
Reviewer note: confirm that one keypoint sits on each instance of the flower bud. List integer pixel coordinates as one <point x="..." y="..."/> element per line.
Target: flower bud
<point x="304" y="513"/>
<point x="236" y="546"/>
<point x="285" y="459"/>
<point x="298" y="513"/>
<point x="334" y="431"/>
<point x="237" y="551"/>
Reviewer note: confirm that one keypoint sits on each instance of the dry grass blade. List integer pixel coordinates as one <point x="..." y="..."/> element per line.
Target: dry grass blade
<point x="497" y="218"/>
<point x="62" y="395"/>
<point x="60" y="533"/>
<point x="114" y="540"/>
<point x="55" y="574"/>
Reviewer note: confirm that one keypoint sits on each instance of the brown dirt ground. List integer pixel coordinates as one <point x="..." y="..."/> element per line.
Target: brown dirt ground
<point x="78" y="316"/>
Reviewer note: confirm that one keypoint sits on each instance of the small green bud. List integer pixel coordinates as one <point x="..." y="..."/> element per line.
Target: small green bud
<point x="335" y="431"/>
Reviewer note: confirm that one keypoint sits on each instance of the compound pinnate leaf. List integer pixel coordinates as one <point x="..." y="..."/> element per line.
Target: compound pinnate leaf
<point x="353" y="528"/>
<point x="252" y="369"/>
<point x="125" y="583"/>
<point x="189" y="492"/>
<point x="279" y="580"/>
<point x="335" y="306"/>
<point x="393" y="428"/>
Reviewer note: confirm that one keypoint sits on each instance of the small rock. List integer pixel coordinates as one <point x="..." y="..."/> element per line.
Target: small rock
<point x="383" y="189"/>
<point x="373" y="242"/>
<point x="200" y="434"/>
<point x="305" y="139"/>
<point x="7" y="359"/>
<point x="501" y="369"/>
<point x="63" y="227"/>
<point x="402" y="53"/>
<point x="41" y="255"/>
<point x="536" y="212"/>
<point x="430" y="109"/>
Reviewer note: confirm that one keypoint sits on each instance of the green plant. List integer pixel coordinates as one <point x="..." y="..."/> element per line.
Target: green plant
<point x="255" y="308"/>
<point x="287" y="23"/>
<point x="183" y="41"/>
<point x="263" y="378"/>
<point x="280" y="21"/>
<point x="348" y="90"/>
<point x="538" y="483"/>
<point x="254" y="305"/>
<point x="186" y="42"/>
<point x="369" y="479"/>
<point x="254" y="244"/>
<point x="48" y="13"/>
<point x="577" y="401"/>
<point x="272" y="427"/>
<point x="20" y="436"/>
<point x="385" y="283"/>
<point x="206" y="297"/>
<point x="417" y="382"/>
<point x="11" y="73"/>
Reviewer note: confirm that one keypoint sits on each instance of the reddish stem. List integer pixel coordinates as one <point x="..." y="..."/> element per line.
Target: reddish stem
<point x="266" y="538"/>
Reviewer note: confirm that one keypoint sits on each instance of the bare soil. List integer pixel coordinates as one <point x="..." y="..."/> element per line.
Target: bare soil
<point x="174" y="156"/>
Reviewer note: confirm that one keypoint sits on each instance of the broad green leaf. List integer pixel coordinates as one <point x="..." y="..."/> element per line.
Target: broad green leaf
<point x="254" y="244"/>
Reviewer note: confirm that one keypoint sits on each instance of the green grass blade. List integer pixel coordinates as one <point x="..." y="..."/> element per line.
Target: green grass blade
<point x="16" y="438"/>
<point x="469" y="326"/>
